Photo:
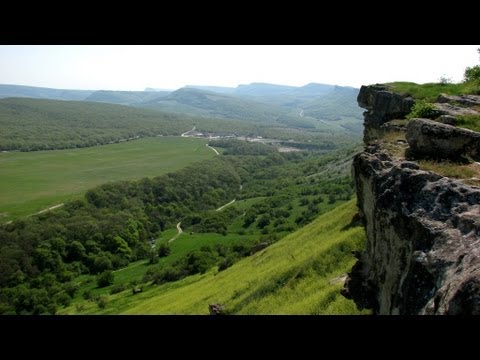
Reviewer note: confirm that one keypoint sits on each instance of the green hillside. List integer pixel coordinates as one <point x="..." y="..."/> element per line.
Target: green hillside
<point x="339" y="106"/>
<point x="202" y="102"/>
<point x="300" y="274"/>
<point x="320" y="106"/>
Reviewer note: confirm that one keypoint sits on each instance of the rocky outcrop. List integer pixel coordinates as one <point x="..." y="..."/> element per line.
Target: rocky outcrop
<point x="465" y="100"/>
<point x="422" y="254"/>
<point x="452" y="105"/>
<point x="382" y="105"/>
<point x="215" y="309"/>
<point x="433" y="140"/>
<point x="453" y="110"/>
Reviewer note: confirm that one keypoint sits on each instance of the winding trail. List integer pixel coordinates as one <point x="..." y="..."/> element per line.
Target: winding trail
<point x="180" y="231"/>
<point x="216" y="152"/>
<point x="224" y="206"/>
<point x="48" y="209"/>
<point x="186" y="132"/>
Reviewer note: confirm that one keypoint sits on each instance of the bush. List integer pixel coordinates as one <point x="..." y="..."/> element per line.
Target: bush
<point x="164" y="250"/>
<point x="71" y="288"/>
<point x="226" y="263"/>
<point x="87" y="295"/>
<point x="423" y="109"/>
<point x="105" y="279"/>
<point x="62" y="299"/>
<point x="118" y="288"/>
<point x="168" y="274"/>
<point x="102" y="302"/>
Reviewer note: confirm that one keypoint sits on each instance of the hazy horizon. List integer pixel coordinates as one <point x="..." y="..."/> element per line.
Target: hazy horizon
<point x="134" y="68"/>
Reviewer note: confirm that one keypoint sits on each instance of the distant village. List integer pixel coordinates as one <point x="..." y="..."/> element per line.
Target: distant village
<point x="212" y="136"/>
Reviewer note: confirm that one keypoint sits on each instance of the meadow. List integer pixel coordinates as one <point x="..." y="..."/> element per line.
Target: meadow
<point x="33" y="181"/>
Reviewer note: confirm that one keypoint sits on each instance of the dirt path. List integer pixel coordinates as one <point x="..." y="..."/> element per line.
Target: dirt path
<point x="186" y="132"/>
<point x="48" y="209"/>
<point x="40" y="212"/>
<point x="180" y="231"/>
<point x="216" y="152"/>
<point x="224" y="206"/>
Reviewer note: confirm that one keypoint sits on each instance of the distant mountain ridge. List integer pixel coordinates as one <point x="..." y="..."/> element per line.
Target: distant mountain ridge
<point x="7" y="90"/>
<point x="312" y="106"/>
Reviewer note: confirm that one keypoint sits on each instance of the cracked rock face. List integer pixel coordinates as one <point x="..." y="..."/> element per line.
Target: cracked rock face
<point x="382" y="106"/>
<point x="422" y="254"/>
<point x="423" y="248"/>
<point x="434" y="140"/>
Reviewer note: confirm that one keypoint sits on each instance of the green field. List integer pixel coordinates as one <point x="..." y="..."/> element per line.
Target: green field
<point x="32" y="181"/>
<point x="300" y="274"/>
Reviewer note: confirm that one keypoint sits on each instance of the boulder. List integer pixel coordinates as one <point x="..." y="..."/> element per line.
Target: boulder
<point x="449" y="109"/>
<point x="447" y="119"/>
<point x="433" y="140"/>
<point x="215" y="309"/>
<point x="465" y="100"/>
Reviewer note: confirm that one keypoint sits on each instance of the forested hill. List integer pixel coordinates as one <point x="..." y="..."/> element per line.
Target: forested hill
<point x="42" y="93"/>
<point x="125" y="97"/>
<point x="35" y="124"/>
<point x="207" y="103"/>
<point x="38" y="124"/>
<point x="313" y="106"/>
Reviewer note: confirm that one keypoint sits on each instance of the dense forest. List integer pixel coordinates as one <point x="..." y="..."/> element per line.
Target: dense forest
<point x="32" y="124"/>
<point x="41" y="256"/>
<point x="38" y="124"/>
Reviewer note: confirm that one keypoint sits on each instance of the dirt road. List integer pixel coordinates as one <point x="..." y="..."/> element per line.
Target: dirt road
<point x="180" y="231"/>
<point x="216" y="152"/>
<point x="224" y="206"/>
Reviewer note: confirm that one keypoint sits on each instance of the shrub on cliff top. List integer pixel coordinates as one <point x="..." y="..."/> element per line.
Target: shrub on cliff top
<point x="423" y="109"/>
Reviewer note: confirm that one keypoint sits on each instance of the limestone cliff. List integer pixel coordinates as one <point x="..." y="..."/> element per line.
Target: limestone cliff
<point x="423" y="230"/>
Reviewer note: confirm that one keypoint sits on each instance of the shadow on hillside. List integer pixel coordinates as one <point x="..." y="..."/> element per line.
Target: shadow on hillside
<point x="354" y="222"/>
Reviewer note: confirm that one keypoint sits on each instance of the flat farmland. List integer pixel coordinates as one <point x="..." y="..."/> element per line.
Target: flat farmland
<point x="34" y="181"/>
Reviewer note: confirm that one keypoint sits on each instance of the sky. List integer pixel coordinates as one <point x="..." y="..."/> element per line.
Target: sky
<point x="135" y="67"/>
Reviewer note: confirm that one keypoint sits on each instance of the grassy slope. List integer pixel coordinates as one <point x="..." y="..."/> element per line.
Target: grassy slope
<point x="430" y="91"/>
<point x="291" y="276"/>
<point x="32" y="181"/>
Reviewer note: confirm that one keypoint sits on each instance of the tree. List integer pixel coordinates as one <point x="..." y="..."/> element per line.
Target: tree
<point x="101" y="263"/>
<point x="472" y="74"/>
<point x="152" y="257"/>
<point x="121" y="247"/>
<point x="263" y="221"/>
<point x="105" y="279"/>
<point x="443" y="80"/>
<point x="75" y="251"/>
<point x="164" y="250"/>
<point x="250" y="218"/>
